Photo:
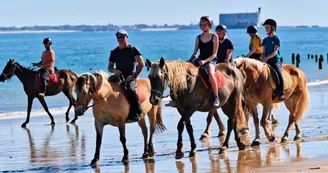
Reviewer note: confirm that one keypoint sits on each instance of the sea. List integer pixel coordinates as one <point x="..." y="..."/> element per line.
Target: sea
<point x="89" y="52"/>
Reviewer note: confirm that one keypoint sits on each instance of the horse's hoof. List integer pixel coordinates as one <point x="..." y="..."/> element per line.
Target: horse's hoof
<point x="95" y="162"/>
<point x="67" y="120"/>
<point x="23" y="125"/>
<point x="145" y="155"/>
<point x="192" y="154"/>
<point x="242" y="146"/>
<point x="151" y="152"/>
<point x="221" y="134"/>
<point x="284" y="139"/>
<point x="125" y="159"/>
<point x="297" y="138"/>
<point x="223" y="150"/>
<point x="272" y="139"/>
<point x="204" y="136"/>
<point x="53" y="123"/>
<point x="73" y="121"/>
<point x="255" y="143"/>
<point x="179" y="155"/>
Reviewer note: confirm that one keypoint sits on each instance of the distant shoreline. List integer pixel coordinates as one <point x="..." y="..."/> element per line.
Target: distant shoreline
<point x="36" y="31"/>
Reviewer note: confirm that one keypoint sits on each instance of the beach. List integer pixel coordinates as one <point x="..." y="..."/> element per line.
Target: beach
<point x="69" y="148"/>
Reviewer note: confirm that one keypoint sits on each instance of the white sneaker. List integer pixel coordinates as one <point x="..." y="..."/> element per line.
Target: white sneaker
<point x="216" y="102"/>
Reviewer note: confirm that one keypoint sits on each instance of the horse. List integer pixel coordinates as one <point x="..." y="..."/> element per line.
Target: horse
<point x="190" y="95"/>
<point x="258" y="90"/>
<point x="111" y="107"/>
<point x="29" y="78"/>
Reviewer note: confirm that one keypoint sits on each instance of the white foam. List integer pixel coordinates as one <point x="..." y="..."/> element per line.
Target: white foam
<point x="317" y="82"/>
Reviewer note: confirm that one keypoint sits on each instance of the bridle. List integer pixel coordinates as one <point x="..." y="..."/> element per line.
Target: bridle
<point x="159" y="92"/>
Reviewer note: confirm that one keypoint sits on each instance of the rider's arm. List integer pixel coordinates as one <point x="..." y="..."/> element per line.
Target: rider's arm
<point x="215" y="48"/>
<point x="229" y="51"/>
<point x="273" y="54"/>
<point x="193" y="56"/>
<point x="140" y="61"/>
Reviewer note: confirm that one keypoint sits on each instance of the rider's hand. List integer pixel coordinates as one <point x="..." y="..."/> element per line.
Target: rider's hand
<point x="130" y="78"/>
<point x="226" y="61"/>
<point x="201" y="62"/>
<point x="117" y="72"/>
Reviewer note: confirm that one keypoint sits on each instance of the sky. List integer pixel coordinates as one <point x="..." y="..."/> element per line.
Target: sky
<point x="101" y="12"/>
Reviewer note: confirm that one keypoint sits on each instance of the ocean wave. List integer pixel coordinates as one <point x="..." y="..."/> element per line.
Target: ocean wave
<point x="317" y="82"/>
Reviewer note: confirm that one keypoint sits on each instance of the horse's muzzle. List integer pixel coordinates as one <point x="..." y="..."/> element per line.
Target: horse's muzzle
<point x="79" y="111"/>
<point x="154" y="100"/>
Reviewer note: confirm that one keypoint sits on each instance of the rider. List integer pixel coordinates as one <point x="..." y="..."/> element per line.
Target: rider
<point x="255" y="43"/>
<point x="225" y="45"/>
<point x="46" y="65"/>
<point x="207" y="43"/>
<point x="271" y="53"/>
<point x="125" y="56"/>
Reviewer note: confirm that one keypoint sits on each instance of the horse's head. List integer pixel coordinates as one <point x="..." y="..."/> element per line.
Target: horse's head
<point x="158" y="80"/>
<point x="85" y="87"/>
<point x="8" y="71"/>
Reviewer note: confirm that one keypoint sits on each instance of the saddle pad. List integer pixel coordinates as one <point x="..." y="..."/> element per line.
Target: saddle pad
<point x="52" y="78"/>
<point x="287" y="80"/>
<point x="220" y="80"/>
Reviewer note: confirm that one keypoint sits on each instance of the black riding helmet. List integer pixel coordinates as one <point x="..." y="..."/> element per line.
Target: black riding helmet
<point x="221" y="28"/>
<point x="47" y="40"/>
<point x="252" y="30"/>
<point x="271" y="22"/>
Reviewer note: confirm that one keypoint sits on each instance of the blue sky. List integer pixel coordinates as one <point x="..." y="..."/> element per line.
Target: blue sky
<point x="59" y="12"/>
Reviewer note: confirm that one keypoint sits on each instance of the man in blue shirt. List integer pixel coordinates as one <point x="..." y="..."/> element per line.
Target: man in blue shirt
<point x="271" y="53"/>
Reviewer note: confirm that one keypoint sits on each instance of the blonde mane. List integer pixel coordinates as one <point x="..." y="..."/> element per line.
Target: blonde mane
<point x="178" y="73"/>
<point x="250" y="63"/>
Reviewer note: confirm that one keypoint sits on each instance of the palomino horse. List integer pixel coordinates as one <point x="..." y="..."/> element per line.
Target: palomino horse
<point x="258" y="90"/>
<point x="65" y="82"/>
<point x="111" y="107"/>
<point x="190" y="95"/>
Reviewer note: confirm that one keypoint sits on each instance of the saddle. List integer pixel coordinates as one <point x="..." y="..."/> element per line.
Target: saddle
<point x="53" y="79"/>
<point x="220" y="79"/>
<point x="120" y="81"/>
<point x="274" y="80"/>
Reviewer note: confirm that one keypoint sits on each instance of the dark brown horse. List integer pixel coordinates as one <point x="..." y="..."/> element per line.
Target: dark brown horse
<point x="28" y="77"/>
<point x="190" y="95"/>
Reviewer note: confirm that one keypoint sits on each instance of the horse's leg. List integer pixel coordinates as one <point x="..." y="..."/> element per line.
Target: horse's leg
<point x="192" y="152"/>
<point x="290" y="103"/>
<point x="143" y="126"/>
<point x="226" y="141"/>
<point x="99" y="130"/>
<point x="207" y="131"/>
<point x="220" y="124"/>
<point x="68" y="94"/>
<point x="253" y="109"/>
<point x="152" y="121"/>
<point x="29" y="108"/>
<point x="121" y="128"/>
<point x="179" y="153"/>
<point x="45" y="107"/>
<point x="265" y="122"/>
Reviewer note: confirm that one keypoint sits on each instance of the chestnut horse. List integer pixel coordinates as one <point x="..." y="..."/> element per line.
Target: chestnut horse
<point x="258" y="90"/>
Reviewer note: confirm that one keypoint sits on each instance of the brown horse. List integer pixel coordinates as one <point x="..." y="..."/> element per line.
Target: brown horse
<point x="111" y="107"/>
<point x="190" y="95"/>
<point x="28" y="77"/>
<point x="258" y="90"/>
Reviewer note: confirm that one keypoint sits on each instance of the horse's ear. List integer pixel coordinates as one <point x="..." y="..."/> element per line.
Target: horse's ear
<point x="148" y="64"/>
<point x="161" y="62"/>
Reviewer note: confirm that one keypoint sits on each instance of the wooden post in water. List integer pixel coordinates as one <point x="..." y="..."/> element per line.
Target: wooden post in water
<point x="309" y="56"/>
<point x="313" y="56"/>
<point x="316" y="58"/>
<point x="298" y="58"/>
<point x="327" y="58"/>
<point x="293" y="58"/>
<point x="320" y="62"/>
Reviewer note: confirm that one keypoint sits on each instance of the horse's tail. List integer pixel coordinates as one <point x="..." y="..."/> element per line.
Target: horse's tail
<point x="303" y="101"/>
<point x="160" y="127"/>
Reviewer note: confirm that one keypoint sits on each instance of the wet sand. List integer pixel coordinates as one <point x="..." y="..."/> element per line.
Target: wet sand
<point x="70" y="148"/>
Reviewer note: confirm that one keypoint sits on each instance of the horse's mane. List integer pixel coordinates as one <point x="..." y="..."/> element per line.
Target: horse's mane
<point x="90" y="78"/>
<point x="249" y="63"/>
<point x="178" y="73"/>
<point x="22" y="68"/>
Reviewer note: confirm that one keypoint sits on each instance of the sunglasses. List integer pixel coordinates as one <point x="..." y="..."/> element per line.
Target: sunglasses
<point x="203" y="24"/>
<point x="120" y="36"/>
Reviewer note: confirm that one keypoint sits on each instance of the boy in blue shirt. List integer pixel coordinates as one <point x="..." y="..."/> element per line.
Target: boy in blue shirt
<point x="271" y="53"/>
